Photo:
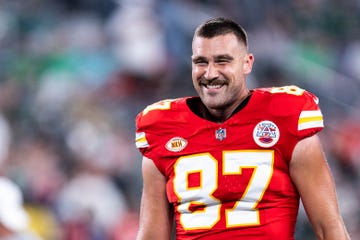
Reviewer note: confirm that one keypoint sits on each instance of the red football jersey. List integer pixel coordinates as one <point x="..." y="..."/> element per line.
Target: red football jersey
<point x="231" y="180"/>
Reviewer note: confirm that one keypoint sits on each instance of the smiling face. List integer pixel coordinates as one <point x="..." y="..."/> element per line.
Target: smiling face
<point x="219" y="68"/>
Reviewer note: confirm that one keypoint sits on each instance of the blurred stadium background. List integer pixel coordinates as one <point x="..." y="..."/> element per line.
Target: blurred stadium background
<point x="74" y="74"/>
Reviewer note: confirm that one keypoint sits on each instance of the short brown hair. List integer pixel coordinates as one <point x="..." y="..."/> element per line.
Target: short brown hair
<point x="220" y="26"/>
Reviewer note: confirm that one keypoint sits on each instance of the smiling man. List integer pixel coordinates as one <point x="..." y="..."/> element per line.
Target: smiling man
<point x="233" y="163"/>
<point x="220" y="63"/>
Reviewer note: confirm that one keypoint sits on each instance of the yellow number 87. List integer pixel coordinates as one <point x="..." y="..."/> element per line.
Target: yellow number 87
<point x="244" y="212"/>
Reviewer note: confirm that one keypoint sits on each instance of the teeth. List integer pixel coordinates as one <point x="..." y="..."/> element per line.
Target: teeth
<point x="213" y="86"/>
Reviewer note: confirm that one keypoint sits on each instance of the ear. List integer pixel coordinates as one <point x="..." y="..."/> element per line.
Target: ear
<point x="248" y="63"/>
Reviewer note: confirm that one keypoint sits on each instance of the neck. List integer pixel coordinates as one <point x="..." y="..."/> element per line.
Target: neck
<point x="220" y="115"/>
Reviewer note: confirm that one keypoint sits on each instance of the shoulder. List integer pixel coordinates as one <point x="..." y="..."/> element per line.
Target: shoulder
<point x="161" y="111"/>
<point x="296" y="103"/>
<point x="287" y="100"/>
<point x="291" y="93"/>
<point x="159" y="119"/>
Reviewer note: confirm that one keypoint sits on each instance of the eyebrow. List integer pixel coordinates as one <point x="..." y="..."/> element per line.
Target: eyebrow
<point x="224" y="56"/>
<point x="199" y="58"/>
<point x="217" y="57"/>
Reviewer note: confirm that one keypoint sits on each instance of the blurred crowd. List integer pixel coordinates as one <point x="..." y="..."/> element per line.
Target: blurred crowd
<point x="74" y="74"/>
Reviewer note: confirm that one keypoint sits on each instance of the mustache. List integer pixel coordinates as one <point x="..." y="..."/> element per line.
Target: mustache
<point x="212" y="81"/>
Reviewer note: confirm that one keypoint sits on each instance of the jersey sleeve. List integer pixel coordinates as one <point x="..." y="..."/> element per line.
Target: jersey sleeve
<point x="153" y="125"/>
<point x="140" y="139"/>
<point x="143" y="135"/>
<point x="310" y="118"/>
<point x="301" y="105"/>
<point x="146" y="126"/>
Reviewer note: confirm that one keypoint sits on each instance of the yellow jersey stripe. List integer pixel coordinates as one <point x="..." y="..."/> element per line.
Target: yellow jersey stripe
<point x="310" y="119"/>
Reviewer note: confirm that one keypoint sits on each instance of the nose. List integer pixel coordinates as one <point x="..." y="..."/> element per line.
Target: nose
<point x="211" y="72"/>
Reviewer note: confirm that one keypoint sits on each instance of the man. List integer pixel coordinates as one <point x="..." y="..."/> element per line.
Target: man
<point x="233" y="163"/>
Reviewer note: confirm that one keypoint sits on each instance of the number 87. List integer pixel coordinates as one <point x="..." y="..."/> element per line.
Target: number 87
<point x="244" y="212"/>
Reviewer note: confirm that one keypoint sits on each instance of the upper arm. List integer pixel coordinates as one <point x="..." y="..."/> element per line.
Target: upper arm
<point x="155" y="212"/>
<point x="311" y="175"/>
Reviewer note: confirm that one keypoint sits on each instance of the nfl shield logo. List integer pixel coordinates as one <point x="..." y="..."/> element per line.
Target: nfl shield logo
<point x="220" y="134"/>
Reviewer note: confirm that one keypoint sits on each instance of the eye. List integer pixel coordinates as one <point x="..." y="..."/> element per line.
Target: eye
<point x="223" y="61"/>
<point x="200" y="62"/>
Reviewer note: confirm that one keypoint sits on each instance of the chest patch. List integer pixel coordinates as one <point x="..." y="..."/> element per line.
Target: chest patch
<point x="176" y="144"/>
<point x="266" y="134"/>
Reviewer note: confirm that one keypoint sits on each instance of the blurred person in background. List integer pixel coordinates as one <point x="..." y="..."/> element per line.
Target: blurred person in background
<point x="233" y="163"/>
<point x="90" y="205"/>
<point x="14" y="220"/>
